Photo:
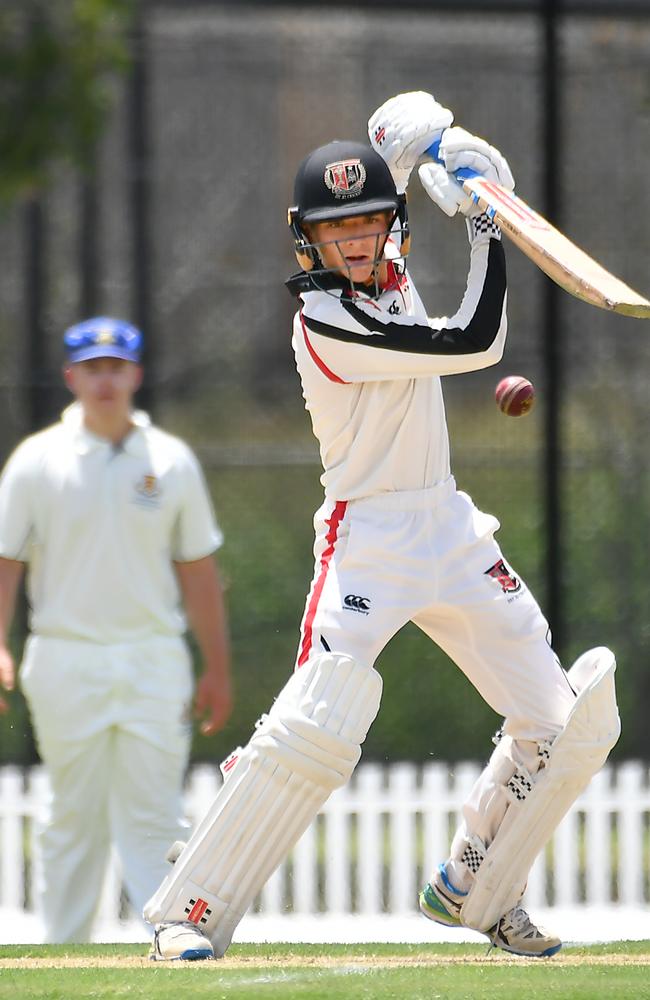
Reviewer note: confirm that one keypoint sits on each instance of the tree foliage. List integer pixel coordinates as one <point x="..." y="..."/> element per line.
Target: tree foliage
<point x="58" y="62"/>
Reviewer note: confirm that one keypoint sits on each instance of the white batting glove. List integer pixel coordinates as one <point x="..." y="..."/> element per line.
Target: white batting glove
<point x="446" y="192"/>
<point x="403" y="128"/>
<point x="459" y="148"/>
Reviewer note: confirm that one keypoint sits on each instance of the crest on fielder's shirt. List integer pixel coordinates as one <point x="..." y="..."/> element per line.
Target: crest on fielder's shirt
<point x="148" y="491"/>
<point x="345" y="178"/>
<point x="507" y="581"/>
<point x="148" y="486"/>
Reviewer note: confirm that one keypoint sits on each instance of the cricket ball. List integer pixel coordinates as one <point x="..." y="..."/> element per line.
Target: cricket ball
<point x="515" y="395"/>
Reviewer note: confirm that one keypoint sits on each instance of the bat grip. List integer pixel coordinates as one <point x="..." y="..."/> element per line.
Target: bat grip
<point x="462" y="174"/>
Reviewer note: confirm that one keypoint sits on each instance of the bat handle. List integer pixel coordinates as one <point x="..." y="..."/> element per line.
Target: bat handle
<point x="462" y="174"/>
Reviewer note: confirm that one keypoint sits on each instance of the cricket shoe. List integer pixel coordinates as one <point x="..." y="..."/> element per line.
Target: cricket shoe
<point x="439" y="901"/>
<point x="181" y="941"/>
<point x="514" y="932"/>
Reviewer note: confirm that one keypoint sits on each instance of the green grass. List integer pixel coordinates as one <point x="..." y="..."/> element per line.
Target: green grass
<point x="376" y="972"/>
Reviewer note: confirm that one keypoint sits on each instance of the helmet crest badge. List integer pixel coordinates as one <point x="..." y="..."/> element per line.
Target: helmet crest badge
<point x="345" y="178"/>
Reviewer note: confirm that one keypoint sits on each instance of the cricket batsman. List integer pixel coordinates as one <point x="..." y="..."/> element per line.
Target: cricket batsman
<point x="395" y="542"/>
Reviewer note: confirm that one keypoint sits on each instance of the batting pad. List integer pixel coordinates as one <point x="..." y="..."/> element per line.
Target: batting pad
<point x="538" y="803"/>
<point x="307" y="745"/>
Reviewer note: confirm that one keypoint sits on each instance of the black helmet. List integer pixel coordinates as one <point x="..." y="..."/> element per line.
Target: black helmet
<point x="341" y="179"/>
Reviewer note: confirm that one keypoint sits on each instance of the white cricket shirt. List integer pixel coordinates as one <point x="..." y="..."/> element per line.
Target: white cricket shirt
<point x="370" y="371"/>
<point x="99" y="527"/>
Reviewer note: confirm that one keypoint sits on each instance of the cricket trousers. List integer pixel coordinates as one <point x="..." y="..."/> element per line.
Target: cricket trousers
<point x="112" y="728"/>
<point x="430" y="557"/>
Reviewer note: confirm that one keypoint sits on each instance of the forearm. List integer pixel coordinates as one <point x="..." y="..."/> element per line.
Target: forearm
<point x="203" y="600"/>
<point x="361" y="342"/>
<point x="11" y="572"/>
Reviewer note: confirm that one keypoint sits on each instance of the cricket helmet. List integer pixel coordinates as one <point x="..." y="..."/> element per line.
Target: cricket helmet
<point x="341" y="179"/>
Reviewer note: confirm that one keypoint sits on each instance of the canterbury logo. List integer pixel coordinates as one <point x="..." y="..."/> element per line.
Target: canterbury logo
<point x="354" y="603"/>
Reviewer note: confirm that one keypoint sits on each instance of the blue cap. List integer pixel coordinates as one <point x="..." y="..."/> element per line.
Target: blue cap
<point x="102" y="337"/>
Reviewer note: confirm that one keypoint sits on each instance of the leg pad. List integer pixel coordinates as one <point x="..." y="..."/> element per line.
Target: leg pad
<point x="307" y="745"/>
<point x="538" y="802"/>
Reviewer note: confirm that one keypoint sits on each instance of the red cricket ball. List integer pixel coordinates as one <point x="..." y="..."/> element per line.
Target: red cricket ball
<point x="515" y="395"/>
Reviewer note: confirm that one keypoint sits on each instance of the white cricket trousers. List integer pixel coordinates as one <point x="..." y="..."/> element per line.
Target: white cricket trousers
<point x="430" y="557"/>
<point x="112" y="728"/>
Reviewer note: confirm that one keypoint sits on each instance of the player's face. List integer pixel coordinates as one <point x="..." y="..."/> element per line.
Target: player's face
<point x="104" y="386"/>
<point x="352" y="246"/>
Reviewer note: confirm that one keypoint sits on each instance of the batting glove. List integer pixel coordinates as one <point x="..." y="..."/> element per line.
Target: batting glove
<point x="403" y="128"/>
<point x="458" y="148"/>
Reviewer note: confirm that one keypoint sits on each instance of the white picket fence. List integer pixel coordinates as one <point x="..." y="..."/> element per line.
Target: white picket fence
<point x="377" y="839"/>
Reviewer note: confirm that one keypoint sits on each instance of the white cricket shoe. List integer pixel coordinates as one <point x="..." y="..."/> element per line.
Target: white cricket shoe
<point x="514" y="932"/>
<point x="180" y="942"/>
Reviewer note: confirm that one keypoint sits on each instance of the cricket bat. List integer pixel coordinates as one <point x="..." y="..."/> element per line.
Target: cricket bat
<point x="559" y="258"/>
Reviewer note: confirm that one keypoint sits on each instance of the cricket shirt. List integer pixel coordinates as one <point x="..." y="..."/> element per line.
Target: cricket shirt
<point x="100" y="527"/>
<point x="370" y="370"/>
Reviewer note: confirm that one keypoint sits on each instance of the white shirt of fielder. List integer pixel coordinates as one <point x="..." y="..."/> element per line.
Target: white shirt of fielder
<point x="100" y="526"/>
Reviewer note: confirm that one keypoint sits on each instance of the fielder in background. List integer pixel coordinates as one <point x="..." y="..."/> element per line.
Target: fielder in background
<point x="113" y="520"/>
<point x="397" y="542"/>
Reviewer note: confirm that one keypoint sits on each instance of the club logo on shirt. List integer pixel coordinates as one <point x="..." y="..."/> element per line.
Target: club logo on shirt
<point x="394" y="308"/>
<point x="355" y="603"/>
<point x="345" y="178"/>
<point x="507" y="581"/>
<point x="148" y="491"/>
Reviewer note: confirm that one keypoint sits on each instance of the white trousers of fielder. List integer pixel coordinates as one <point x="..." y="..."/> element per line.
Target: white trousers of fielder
<point x="112" y="729"/>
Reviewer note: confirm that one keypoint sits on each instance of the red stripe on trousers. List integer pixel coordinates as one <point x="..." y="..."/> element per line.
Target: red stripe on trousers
<point x="334" y="522"/>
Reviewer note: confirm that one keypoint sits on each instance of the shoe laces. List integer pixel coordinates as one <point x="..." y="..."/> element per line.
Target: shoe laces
<point x="518" y="920"/>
